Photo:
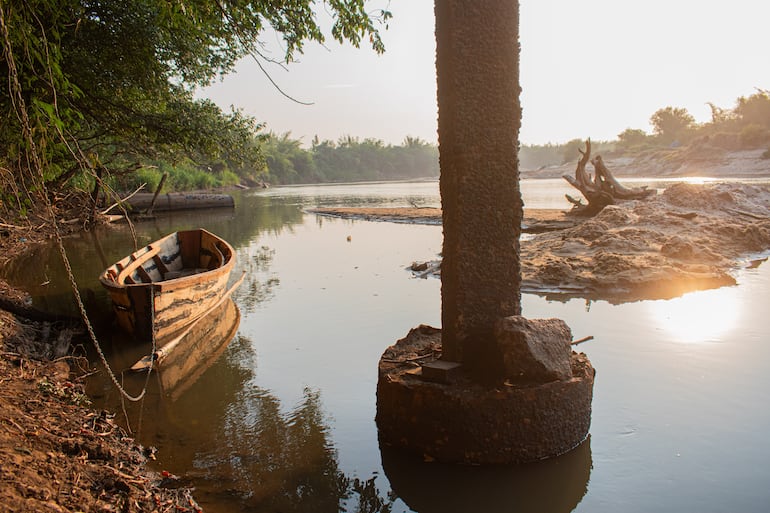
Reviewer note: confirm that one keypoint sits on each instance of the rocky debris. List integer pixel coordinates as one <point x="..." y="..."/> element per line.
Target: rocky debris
<point x="534" y="350"/>
<point x="690" y="237"/>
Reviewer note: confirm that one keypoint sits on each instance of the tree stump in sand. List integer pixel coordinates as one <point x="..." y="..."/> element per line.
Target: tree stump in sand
<point x="601" y="190"/>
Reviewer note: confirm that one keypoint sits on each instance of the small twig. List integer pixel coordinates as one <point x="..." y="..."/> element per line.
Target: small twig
<point x="744" y="213"/>
<point x="408" y="360"/>
<point x="15" y="425"/>
<point x="89" y="374"/>
<point x="130" y="479"/>
<point x="13" y="226"/>
<point x="581" y="340"/>
<point x="107" y="210"/>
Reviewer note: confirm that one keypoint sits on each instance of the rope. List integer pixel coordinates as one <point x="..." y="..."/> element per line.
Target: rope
<point x="21" y="112"/>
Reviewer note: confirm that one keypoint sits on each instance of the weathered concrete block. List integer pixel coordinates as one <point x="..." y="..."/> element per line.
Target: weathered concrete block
<point x="466" y="422"/>
<point x="441" y="371"/>
<point x="534" y="350"/>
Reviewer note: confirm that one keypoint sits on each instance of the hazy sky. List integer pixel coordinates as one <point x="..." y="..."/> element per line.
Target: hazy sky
<point x="588" y="69"/>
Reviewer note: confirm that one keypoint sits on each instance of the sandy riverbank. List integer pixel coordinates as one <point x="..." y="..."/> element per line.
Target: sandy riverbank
<point x="690" y="237"/>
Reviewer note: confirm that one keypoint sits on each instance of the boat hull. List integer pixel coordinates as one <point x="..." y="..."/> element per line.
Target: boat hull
<point x="163" y="287"/>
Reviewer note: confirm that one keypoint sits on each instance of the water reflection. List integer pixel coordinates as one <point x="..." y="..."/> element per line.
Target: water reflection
<point x="698" y="316"/>
<point x="41" y="273"/>
<point x="259" y="283"/>
<point x="556" y="485"/>
<point x="234" y="441"/>
<point x="201" y="346"/>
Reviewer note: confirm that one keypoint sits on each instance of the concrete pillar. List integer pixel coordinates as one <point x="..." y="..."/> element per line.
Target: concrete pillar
<point x="477" y="66"/>
<point x="505" y="389"/>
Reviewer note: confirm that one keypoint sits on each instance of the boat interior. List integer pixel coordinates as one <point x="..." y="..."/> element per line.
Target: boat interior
<point x="176" y="256"/>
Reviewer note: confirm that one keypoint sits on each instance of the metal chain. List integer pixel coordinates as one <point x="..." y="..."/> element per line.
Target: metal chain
<point x="21" y="110"/>
<point x="84" y="315"/>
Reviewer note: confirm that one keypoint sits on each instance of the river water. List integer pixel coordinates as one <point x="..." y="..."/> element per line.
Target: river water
<point x="283" y="419"/>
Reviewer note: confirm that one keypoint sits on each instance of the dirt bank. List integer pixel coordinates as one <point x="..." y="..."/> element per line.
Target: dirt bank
<point x="686" y="161"/>
<point x="56" y="453"/>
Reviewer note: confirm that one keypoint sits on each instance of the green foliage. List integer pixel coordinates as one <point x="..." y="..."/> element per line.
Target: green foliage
<point x="537" y="156"/>
<point x="185" y="175"/>
<point x="719" y="115"/>
<point x="747" y="125"/>
<point x="541" y="156"/>
<point x="632" y="138"/>
<point x="287" y="162"/>
<point x="571" y="150"/>
<point x="672" y="124"/>
<point x="754" y="110"/>
<point x="110" y="84"/>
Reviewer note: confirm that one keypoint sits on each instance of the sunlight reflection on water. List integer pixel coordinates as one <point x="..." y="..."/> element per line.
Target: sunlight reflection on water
<point x="704" y="316"/>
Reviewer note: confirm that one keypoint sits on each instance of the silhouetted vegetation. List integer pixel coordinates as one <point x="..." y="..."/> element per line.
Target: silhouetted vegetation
<point x="745" y="126"/>
<point x="347" y="160"/>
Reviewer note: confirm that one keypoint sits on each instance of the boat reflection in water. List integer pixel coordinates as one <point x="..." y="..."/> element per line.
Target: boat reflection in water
<point x="555" y="485"/>
<point x="180" y="361"/>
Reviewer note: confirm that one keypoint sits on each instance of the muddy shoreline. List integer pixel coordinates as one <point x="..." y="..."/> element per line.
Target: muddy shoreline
<point x="56" y="452"/>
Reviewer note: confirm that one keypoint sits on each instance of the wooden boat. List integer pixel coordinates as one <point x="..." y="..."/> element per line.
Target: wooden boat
<point x="169" y="283"/>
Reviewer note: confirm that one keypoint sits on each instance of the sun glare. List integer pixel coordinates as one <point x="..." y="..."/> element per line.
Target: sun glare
<point x="704" y="316"/>
<point x="697" y="180"/>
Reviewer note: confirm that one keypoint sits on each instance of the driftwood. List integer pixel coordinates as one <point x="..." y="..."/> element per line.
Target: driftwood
<point x="601" y="190"/>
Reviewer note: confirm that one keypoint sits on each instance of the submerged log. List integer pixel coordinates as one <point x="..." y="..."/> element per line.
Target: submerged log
<point x="180" y="201"/>
<point x="601" y="190"/>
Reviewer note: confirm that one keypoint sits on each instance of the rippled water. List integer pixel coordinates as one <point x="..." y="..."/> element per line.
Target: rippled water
<point x="283" y="420"/>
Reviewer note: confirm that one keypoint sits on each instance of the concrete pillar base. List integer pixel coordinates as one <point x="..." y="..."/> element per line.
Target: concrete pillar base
<point x="457" y="420"/>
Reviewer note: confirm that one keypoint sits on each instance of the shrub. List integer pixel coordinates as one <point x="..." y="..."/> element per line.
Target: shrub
<point x="754" y="136"/>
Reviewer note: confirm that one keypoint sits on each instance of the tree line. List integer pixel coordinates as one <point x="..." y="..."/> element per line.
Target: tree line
<point x="744" y="126"/>
<point x="347" y="160"/>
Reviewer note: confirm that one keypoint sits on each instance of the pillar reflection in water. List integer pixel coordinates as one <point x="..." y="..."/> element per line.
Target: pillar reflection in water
<point x="555" y="485"/>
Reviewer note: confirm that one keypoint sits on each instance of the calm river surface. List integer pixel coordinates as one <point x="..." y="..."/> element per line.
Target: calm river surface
<point x="283" y="420"/>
